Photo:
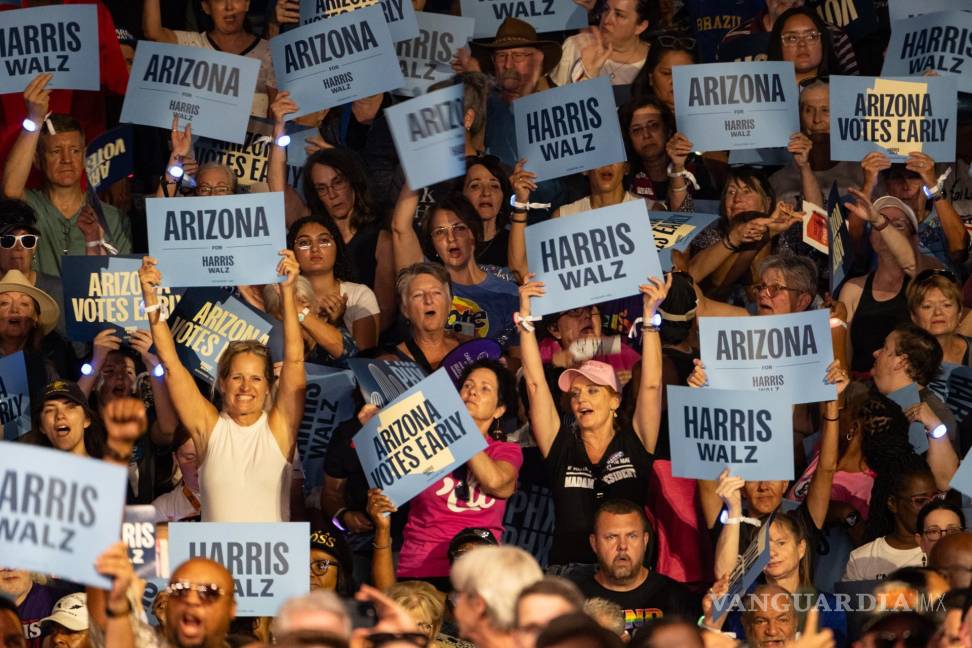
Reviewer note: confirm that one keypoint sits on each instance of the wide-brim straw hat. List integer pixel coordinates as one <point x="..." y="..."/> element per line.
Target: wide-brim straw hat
<point x="15" y="281"/>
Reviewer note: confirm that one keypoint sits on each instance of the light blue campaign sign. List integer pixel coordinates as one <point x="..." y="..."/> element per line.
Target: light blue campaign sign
<point x="753" y="561"/>
<point x="784" y="355"/>
<point x="338" y="60"/>
<point x="269" y="562"/>
<point x="592" y="257"/>
<point x="399" y="14"/>
<point x="760" y="157"/>
<point x="422" y="435"/>
<point x="931" y="42"/>
<point x="328" y="402"/>
<point x="839" y="241"/>
<point x="110" y="157"/>
<point x="895" y="116"/>
<point x="62" y="40"/>
<point x="209" y="89"/>
<point x="14" y="396"/>
<point x="959" y="398"/>
<point x="426" y="59"/>
<point x="543" y="15"/>
<point x="902" y="9"/>
<point x="569" y="129"/>
<point x="727" y="106"/>
<point x="85" y="501"/>
<point x="429" y="136"/>
<point x="962" y="479"/>
<point x="905" y="398"/>
<point x="217" y="240"/>
<point x="749" y="432"/>
<point x="675" y="231"/>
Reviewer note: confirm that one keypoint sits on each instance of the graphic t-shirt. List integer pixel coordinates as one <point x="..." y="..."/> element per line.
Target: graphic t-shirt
<point x="436" y="515"/>
<point x="484" y="310"/>
<point x="657" y="596"/>
<point x="38" y="604"/>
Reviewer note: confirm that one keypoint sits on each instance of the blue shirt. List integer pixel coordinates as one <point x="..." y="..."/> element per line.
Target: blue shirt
<point x="485" y="309"/>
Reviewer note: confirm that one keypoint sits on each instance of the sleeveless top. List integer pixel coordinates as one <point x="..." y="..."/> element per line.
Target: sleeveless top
<point x="872" y="322"/>
<point x="244" y="477"/>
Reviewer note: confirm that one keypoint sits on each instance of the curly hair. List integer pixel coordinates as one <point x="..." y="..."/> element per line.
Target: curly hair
<point x="348" y="164"/>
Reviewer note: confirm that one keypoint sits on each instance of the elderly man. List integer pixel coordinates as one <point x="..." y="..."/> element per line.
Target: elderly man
<point x="952" y="558"/>
<point x="770" y="619"/>
<point x="67" y="625"/>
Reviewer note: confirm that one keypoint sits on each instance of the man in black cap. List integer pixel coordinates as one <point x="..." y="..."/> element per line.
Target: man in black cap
<point x="468" y="539"/>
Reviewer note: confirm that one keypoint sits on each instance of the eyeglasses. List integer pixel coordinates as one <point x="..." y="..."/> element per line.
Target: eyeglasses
<point x="935" y="534"/>
<point x="772" y="289"/>
<point x="27" y="241"/>
<point x="922" y="276"/>
<point x="307" y="243"/>
<point x="207" y="593"/>
<point x="320" y="567"/>
<point x="340" y="183"/>
<point x="679" y="42"/>
<point x="505" y="56"/>
<point x="213" y="190"/>
<point x="791" y="39"/>
<point x="809" y="81"/>
<point x="582" y="311"/>
<point x="457" y="229"/>
<point x="921" y="499"/>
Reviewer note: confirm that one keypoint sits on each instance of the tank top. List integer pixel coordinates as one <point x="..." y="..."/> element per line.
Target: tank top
<point x="872" y="322"/>
<point x="244" y="477"/>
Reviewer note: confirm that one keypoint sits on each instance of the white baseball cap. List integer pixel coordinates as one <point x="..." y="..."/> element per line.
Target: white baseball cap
<point x="70" y="611"/>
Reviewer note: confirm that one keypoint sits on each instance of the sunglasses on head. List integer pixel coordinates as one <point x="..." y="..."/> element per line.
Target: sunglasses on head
<point x="809" y="81"/>
<point x="925" y="275"/>
<point x="27" y="241"/>
<point x="207" y="592"/>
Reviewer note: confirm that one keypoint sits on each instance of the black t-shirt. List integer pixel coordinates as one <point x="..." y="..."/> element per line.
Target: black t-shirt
<point x="657" y="596"/>
<point x="579" y="487"/>
<point x="816" y="542"/>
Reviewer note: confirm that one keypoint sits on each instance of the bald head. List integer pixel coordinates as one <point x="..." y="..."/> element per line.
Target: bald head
<point x="200" y="610"/>
<point x="770" y="620"/>
<point x="952" y="558"/>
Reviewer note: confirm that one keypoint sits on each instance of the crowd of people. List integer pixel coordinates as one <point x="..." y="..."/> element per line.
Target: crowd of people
<point x="575" y="402"/>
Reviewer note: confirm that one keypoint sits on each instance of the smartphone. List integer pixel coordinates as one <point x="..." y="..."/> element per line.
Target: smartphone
<point x="363" y="614"/>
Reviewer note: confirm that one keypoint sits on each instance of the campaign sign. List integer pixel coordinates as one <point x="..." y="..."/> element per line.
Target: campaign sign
<point x="569" y="129"/>
<point x="104" y="292"/>
<point x="399" y="14"/>
<point x="337" y="60"/>
<point x="726" y="106"/>
<point x="217" y="240"/>
<point x="209" y="89"/>
<point x="152" y="588"/>
<point x="543" y="15"/>
<point x="206" y="321"/>
<point x="778" y="354"/>
<point x="895" y="116"/>
<point x="269" y="562"/>
<point x="62" y="40"/>
<point x="138" y="533"/>
<point x="429" y="136"/>
<point x="962" y="479"/>
<point x="905" y="398"/>
<point x="14" y="396"/>
<point x="328" y="402"/>
<point x="427" y="58"/>
<point x="456" y="361"/>
<point x="856" y="18"/>
<point x="58" y="511"/>
<point x="592" y="257"/>
<point x="382" y="381"/>
<point x="748" y="569"/>
<point x="959" y="398"/>
<point x="839" y="241"/>
<point x="934" y="41"/>
<point x="749" y="432"/>
<point x="760" y="157"/>
<point x="110" y="157"/>
<point x="902" y="9"/>
<point x="417" y="439"/>
<point x="675" y="231"/>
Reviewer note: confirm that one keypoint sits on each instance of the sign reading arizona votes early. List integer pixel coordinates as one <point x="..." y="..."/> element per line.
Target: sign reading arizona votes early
<point x="782" y="354"/>
<point x="217" y="240"/>
<point x="726" y="106"/>
<point x="62" y="40"/>
<point x="941" y="42"/>
<point x="592" y="257"/>
<point x="895" y="116"/>
<point x="569" y="129"/>
<point x="209" y="89"/>
<point x="751" y="433"/>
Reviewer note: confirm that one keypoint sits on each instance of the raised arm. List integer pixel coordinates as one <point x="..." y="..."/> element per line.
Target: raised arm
<point x="16" y="170"/>
<point x="166" y="419"/>
<point x="382" y="561"/>
<point x="941" y="456"/>
<point x="196" y="413"/>
<point x="544" y="419"/>
<point x="288" y="405"/>
<point x="152" y="27"/>
<point x="705" y="262"/>
<point x="818" y="495"/>
<point x="282" y="106"/>
<point x="523" y="183"/>
<point x="496" y="478"/>
<point x="647" y="416"/>
<point x="405" y="243"/>
<point x="955" y="232"/>
<point x="800" y="146"/>
<point x="678" y="149"/>
<point x="729" y="491"/>
<point x="899" y="245"/>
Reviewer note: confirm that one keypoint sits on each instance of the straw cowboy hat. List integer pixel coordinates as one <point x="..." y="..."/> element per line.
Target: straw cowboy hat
<point x="515" y="33"/>
<point x="15" y="281"/>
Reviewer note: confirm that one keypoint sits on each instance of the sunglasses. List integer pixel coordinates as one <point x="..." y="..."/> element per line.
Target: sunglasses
<point x="922" y="276"/>
<point x="680" y="42"/>
<point x="27" y="241"/>
<point x="809" y="81"/>
<point x="207" y="593"/>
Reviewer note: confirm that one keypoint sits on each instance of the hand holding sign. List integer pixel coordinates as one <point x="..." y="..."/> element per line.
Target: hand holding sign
<point x="113" y="563"/>
<point x="89" y="225"/>
<point x="923" y="165"/>
<point x="655" y="292"/>
<point x="529" y="290"/>
<point x="678" y="149"/>
<point x="837" y="376"/>
<point x="150" y="277"/>
<point x="800" y="146"/>
<point x="282" y="106"/>
<point x="180" y="142"/>
<point x="729" y="490"/>
<point x="523" y="182"/>
<point x="923" y="414"/>
<point x="698" y="379"/>
<point x="287" y="12"/>
<point x="37" y="97"/>
<point x="380" y="508"/>
<point x="289" y="268"/>
<point x="873" y="164"/>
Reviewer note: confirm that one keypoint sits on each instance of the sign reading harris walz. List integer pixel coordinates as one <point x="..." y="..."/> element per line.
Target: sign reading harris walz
<point x="727" y="106"/>
<point x="938" y="41"/>
<point x="338" y="60"/>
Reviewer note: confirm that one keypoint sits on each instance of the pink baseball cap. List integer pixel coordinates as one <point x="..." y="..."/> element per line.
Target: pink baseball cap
<point x="599" y="373"/>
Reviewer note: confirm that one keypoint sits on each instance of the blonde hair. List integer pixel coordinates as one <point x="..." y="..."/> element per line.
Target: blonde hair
<point x="918" y="289"/>
<point x="422" y="596"/>
<point x="238" y="347"/>
<point x="497" y="575"/>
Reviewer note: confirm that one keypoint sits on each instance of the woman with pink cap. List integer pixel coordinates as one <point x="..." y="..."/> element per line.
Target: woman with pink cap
<point x="600" y="456"/>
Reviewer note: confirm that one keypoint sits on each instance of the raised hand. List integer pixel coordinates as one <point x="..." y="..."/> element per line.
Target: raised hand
<point x="678" y="148"/>
<point x="800" y="145"/>
<point x="288" y="267"/>
<point x="595" y="51"/>
<point x="378" y="506"/>
<point x="655" y="292"/>
<point x="125" y="420"/>
<point x="89" y="225"/>
<point x="529" y="290"/>
<point x="836" y="375"/>
<point x="287" y="12"/>
<point x="37" y="97"/>
<point x="729" y="489"/>
<point x="698" y="377"/>
<point x="180" y="141"/>
<point x="282" y="106"/>
<point x="524" y="182"/>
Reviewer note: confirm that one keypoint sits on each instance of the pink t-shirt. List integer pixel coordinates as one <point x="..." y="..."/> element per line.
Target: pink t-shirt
<point x="852" y="488"/>
<point x="436" y="516"/>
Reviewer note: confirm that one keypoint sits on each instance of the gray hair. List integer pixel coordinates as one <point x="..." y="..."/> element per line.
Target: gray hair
<point x="287" y="619"/>
<point x="405" y="276"/>
<point x="303" y="288"/>
<point x="230" y="175"/>
<point x="799" y="271"/>
<point x="607" y="613"/>
<point x="496" y="575"/>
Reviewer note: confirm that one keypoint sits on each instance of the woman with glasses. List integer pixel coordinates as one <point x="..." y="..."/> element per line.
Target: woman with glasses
<point x="319" y="249"/>
<point x="936" y="520"/>
<point x="331" y="562"/>
<point x="935" y="303"/>
<point x="184" y="176"/>
<point x="799" y="35"/>
<point x="614" y="48"/>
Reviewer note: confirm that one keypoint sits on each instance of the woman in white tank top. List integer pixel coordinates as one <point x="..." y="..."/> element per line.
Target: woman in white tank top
<point x="243" y="451"/>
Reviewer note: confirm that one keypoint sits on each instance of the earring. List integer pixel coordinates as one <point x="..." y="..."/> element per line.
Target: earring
<point x="615" y="413"/>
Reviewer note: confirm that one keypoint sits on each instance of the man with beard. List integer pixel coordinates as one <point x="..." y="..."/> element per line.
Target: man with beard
<point x="620" y="540"/>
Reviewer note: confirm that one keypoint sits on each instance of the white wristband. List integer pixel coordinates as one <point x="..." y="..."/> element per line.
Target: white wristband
<point x="528" y="205"/>
<point x="742" y="518"/>
<point x="684" y="173"/>
<point x="525" y="321"/>
<point x="109" y="248"/>
<point x="162" y="306"/>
